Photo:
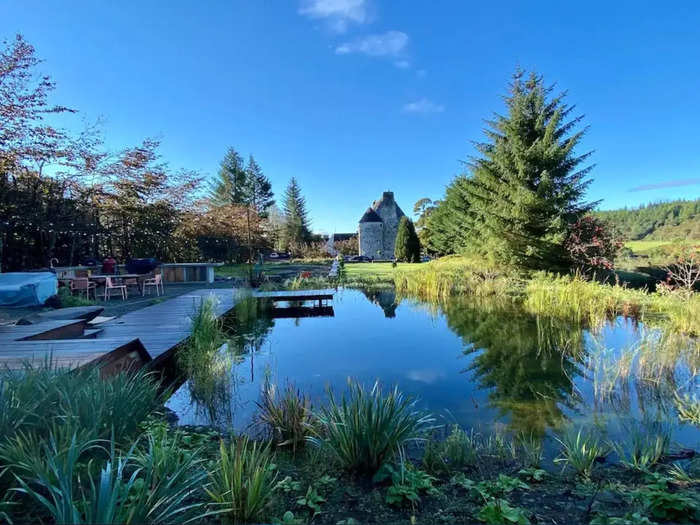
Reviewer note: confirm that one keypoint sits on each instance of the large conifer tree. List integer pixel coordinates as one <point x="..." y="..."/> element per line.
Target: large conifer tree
<point x="231" y="185"/>
<point x="296" y="229"/>
<point x="527" y="188"/>
<point x="259" y="188"/>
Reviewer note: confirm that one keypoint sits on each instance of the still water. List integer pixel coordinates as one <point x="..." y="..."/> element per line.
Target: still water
<point x="486" y="366"/>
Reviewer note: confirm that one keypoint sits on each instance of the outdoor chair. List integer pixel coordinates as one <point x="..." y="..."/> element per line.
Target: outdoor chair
<point x="110" y="286"/>
<point x="82" y="285"/>
<point x="132" y="281"/>
<point x="157" y="282"/>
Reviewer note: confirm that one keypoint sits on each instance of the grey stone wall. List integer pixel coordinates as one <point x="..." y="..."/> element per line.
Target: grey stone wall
<point x="371" y="239"/>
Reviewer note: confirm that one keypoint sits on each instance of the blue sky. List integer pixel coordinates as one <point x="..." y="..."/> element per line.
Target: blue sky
<point x="354" y="97"/>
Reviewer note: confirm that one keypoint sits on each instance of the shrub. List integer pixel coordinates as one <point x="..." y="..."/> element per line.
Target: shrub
<point x="366" y="428"/>
<point x="288" y="418"/>
<point x="243" y="484"/>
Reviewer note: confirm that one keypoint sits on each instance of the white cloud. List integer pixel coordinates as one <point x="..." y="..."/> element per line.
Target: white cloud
<point x="337" y="13"/>
<point x="423" y="106"/>
<point x="389" y="44"/>
<point x="402" y="64"/>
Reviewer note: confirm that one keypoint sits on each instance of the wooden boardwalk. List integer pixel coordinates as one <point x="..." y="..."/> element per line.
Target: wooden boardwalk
<point x="163" y="326"/>
<point x="151" y="332"/>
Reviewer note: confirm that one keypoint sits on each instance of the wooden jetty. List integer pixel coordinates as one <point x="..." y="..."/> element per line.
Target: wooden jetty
<point x="297" y="296"/>
<point x="141" y="336"/>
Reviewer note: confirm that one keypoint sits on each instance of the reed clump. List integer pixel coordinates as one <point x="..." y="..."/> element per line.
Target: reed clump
<point x="243" y="484"/>
<point x="366" y="427"/>
<point x="286" y="415"/>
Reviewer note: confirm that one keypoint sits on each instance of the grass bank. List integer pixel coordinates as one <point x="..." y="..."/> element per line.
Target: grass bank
<point x="568" y="297"/>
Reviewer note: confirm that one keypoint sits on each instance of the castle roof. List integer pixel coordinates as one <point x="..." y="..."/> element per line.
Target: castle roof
<point x="387" y="204"/>
<point x="370" y="216"/>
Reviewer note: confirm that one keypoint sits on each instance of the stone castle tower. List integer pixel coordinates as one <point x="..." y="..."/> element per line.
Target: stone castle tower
<point x="378" y="227"/>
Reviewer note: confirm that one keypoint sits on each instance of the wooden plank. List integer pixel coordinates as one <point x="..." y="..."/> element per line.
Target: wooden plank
<point x="66" y="352"/>
<point x="62" y="329"/>
<point x="156" y="330"/>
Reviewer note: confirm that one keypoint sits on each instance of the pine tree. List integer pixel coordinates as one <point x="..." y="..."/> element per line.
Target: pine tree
<point x="231" y="185"/>
<point x="259" y="188"/>
<point x="407" y="245"/>
<point x="527" y="187"/>
<point x="295" y="215"/>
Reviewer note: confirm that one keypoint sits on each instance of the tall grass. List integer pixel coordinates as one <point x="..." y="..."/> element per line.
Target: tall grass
<point x="453" y="275"/>
<point x="366" y="428"/>
<point x="287" y="417"/>
<point x="569" y="297"/>
<point x="242" y="485"/>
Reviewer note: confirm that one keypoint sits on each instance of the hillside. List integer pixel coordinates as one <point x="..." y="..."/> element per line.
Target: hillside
<point x="661" y="221"/>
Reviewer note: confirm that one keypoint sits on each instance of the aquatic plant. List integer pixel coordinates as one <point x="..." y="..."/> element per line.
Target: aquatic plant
<point x="205" y="339"/>
<point x="644" y="447"/>
<point x="36" y="398"/>
<point x="461" y="448"/>
<point x="287" y="417"/>
<point x="688" y="407"/>
<point x="154" y="485"/>
<point x="529" y="449"/>
<point x="243" y="482"/>
<point x="367" y="428"/>
<point x="580" y="451"/>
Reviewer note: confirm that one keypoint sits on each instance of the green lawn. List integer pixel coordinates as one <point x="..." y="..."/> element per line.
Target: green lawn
<point x="645" y="246"/>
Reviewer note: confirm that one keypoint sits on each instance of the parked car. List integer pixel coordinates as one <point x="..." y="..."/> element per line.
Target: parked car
<point x="278" y="255"/>
<point x="425" y="258"/>
<point x="360" y="258"/>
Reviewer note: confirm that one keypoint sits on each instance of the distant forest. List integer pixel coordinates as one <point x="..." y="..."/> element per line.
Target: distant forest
<point x="661" y="221"/>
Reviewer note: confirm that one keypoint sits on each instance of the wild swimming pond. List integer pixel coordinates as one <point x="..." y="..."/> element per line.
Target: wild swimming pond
<point x="482" y="365"/>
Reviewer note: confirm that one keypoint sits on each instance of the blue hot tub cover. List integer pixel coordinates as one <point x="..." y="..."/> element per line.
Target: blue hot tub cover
<point x="22" y="289"/>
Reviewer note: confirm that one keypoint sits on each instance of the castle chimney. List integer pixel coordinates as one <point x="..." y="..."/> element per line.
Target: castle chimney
<point x="388" y="195"/>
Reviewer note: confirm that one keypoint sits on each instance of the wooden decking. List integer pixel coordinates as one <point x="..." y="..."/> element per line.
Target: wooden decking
<point x="163" y="326"/>
<point x="296" y="295"/>
<point x="149" y="332"/>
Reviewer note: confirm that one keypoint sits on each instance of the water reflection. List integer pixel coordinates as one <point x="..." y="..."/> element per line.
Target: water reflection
<point x="528" y="364"/>
<point x="385" y="299"/>
<point x="486" y="364"/>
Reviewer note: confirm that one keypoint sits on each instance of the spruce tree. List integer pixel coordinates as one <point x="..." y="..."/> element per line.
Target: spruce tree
<point x="527" y="186"/>
<point x="259" y="188"/>
<point x="407" y="245"/>
<point x="296" y="220"/>
<point x="231" y="185"/>
<point x="445" y="228"/>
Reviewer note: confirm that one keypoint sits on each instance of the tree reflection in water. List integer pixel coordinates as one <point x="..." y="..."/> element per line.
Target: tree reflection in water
<point x="528" y="363"/>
